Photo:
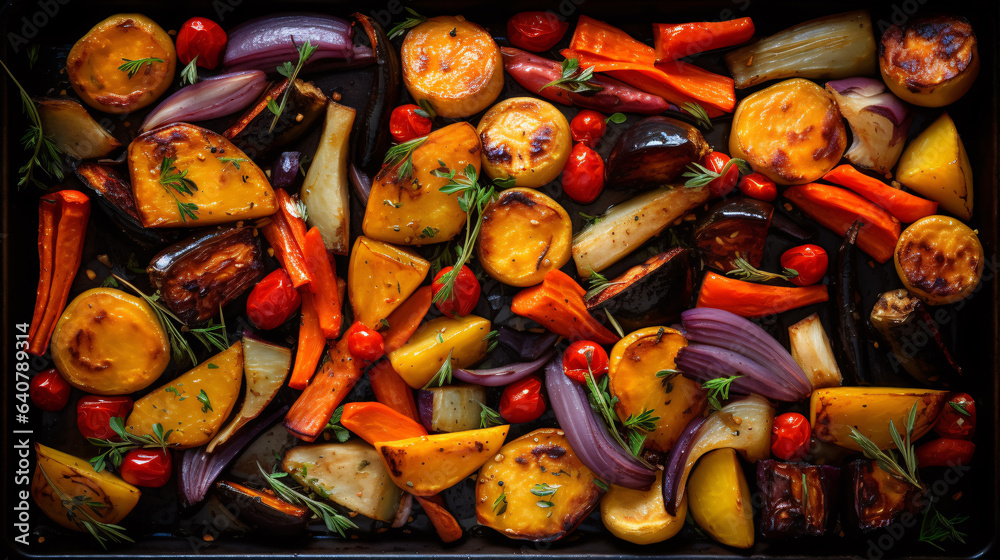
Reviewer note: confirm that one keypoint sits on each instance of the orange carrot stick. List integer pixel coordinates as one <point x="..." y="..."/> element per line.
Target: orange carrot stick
<point x="444" y="522"/>
<point x="323" y="286"/>
<point x="328" y="388"/>
<point x="287" y="250"/>
<point x="311" y="342"/>
<point x="904" y="206"/>
<point x="404" y="320"/>
<point x="289" y="209"/>
<point x="47" y="209"/>
<point x="373" y="421"/>
<point x="391" y="390"/>
<point x="557" y="304"/>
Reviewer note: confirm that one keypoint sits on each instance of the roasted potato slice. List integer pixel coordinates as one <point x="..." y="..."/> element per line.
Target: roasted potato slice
<point x="931" y="61"/>
<point x="834" y="411"/>
<point x="939" y="259"/>
<point x="524" y="138"/>
<point x="639" y="516"/>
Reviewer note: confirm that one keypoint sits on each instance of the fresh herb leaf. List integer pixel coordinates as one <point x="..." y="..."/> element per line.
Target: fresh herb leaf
<point x="75" y="511"/>
<point x="544" y="489"/>
<point x="591" y="220"/>
<point x="936" y="528"/>
<point x="602" y="402"/>
<point x="698" y="175"/>
<point x="960" y="408"/>
<point x="601" y="484"/>
<point x="213" y="336"/>
<point x="409" y="23"/>
<point x="44" y="153"/>
<point x="176" y="182"/>
<point x="443" y="375"/>
<point x="746" y="271"/>
<point x="179" y="346"/>
<point x="401" y="157"/>
<point x="718" y="388"/>
<point x="645" y="421"/>
<point x="305" y="51"/>
<point x="805" y="492"/>
<point x="492" y="338"/>
<point x="206" y="405"/>
<point x="233" y="160"/>
<point x="189" y="75"/>
<point x="699" y="113"/>
<point x="428" y="232"/>
<point x="614" y="323"/>
<point x="636" y="440"/>
<point x="340" y="432"/>
<point x="887" y="461"/>
<point x="666" y="377"/>
<point x="574" y="79"/>
<point x="500" y="502"/>
<point x="597" y="283"/>
<point x="333" y="519"/>
<point x="617" y="118"/>
<point x="116" y="449"/>
<point x="32" y="56"/>
<point x="426" y="110"/>
<point x="132" y="67"/>
<point x="488" y="417"/>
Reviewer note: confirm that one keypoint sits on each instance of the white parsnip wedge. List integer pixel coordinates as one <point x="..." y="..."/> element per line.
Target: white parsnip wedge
<point x="324" y="191"/>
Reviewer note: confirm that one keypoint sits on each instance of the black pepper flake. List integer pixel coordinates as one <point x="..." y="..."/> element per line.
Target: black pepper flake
<point x="453" y="32"/>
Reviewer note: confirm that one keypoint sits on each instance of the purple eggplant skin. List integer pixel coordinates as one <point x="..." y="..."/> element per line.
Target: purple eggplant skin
<point x="653" y="152"/>
<point x="114" y="197"/>
<point x="784" y="512"/>
<point x="257" y="515"/>
<point x="917" y="345"/>
<point x="652" y="293"/>
<point x="208" y="270"/>
<point x="731" y="228"/>
<point x="876" y="499"/>
<point x="370" y="137"/>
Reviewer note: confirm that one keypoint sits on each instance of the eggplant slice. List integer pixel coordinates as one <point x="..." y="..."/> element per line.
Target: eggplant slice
<point x="798" y="499"/>
<point x="654" y="152"/>
<point x="252" y="132"/>
<point x="917" y="345"/>
<point x="114" y="196"/>
<point x="733" y="228"/>
<point x="652" y="293"/>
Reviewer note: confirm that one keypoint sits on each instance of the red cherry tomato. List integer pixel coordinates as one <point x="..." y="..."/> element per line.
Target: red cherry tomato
<point x="790" y="436"/>
<point x="759" y="186"/>
<point x="583" y="176"/>
<point x="723" y="185"/>
<point x="272" y="301"/>
<point x="588" y="127"/>
<point x="146" y="467"/>
<point x="522" y="401"/>
<point x="405" y="124"/>
<point x="958" y="419"/>
<point x="49" y="391"/>
<point x="364" y="343"/>
<point x="535" y="31"/>
<point x="203" y="38"/>
<point x="579" y="355"/>
<point x="464" y="292"/>
<point x="94" y="414"/>
<point x="810" y="261"/>
<point x="945" y="452"/>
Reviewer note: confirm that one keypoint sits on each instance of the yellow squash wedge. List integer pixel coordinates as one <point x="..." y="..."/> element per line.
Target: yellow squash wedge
<point x="639" y="516"/>
<point x="380" y="277"/>
<point x="834" y="411"/>
<point x="719" y="498"/>
<point x="936" y="165"/>
<point x="463" y="338"/>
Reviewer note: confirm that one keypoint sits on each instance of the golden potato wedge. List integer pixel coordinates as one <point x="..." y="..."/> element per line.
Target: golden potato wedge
<point x="380" y="277"/>
<point x="719" y="498"/>
<point x="524" y="138"/>
<point x="463" y="338"/>
<point x="833" y="411"/>
<point x="936" y="165"/>
<point x="939" y="259"/>
<point x="930" y="61"/>
<point x="638" y="516"/>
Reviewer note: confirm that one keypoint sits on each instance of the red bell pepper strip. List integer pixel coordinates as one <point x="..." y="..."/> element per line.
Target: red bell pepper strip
<point x="557" y="304"/>
<point x="312" y="410"/>
<point x="323" y="286"/>
<point x="748" y="299"/>
<point x="904" y="206"/>
<point x="838" y="208"/>
<point x="373" y="422"/>
<point x="391" y="390"/>
<point x="404" y="320"/>
<point x="311" y="342"/>
<point x="62" y="227"/>
<point x="673" y="41"/>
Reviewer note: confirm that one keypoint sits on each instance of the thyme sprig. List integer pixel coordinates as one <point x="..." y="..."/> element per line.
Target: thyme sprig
<point x="936" y="528"/>
<point x="488" y="417"/>
<point x="45" y="155"/>
<point x="699" y="113"/>
<point x="333" y="519"/>
<point x="408" y="23"/>
<point x="401" y="157"/>
<point x="305" y="51"/>
<point x="102" y="532"/>
<point x="574" y="79"/>
<point x="718" y="388"/>
<point x="175" y="182"/>
<point x="116" y="450"/>
<point x="746" y="271"/>
<point x="189" y="75"/>
<point x="132" y="67"/>
<point x="698" y="175"/>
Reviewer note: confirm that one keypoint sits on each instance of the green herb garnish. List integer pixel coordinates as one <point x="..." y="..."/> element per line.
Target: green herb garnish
<point x="44" y="153"/>
<point x="132" y="67"/>
<point x="176" y="182"/>
<point x="574" y="79"/>
<point x="409" y="23"/>
<point x="746" y="271"/>
<point x="718" y="388"/>
<point x="116" y="450"/>
<point x="189" y="75"/>
<point x="305" y="51"/>
<point x="333" y="519"/>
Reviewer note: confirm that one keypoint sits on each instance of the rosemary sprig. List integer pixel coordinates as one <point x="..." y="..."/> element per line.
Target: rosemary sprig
<point x="492" y="339"/>
<point x="408" y="23"/>
<point x="212" y="335"/>
<point x="44" y="153"/>
<point x="718" y="388"/>
<point x="645" y="421"/>
<point x="189" y="75"/>
<point x="132" y="67"/>
<point x="666" y="377"/>
<point x="746" y="271"/>
<point x="698" y="175"/>
<point x="888" y="461"/>
<point x="603" y="402"/>
<point x="488" y="417"/>
<point x="176" y="182"/>
<point x="699" y="113"/>
<point x="401" y="156"/>
<point x="425" y="110"/>
<point x="574" y="79"/>
<point x="305" y="50"/>
<point x="960" y="408"/>
<point x="614" y="323"/>
<point x="936" y="528"/>
<point x="597" y="283"/>
<point x="333" y="519"/>
<point x="101" y="531"/>
<point x="116" y="450"/>
<point x="443" y="375"/>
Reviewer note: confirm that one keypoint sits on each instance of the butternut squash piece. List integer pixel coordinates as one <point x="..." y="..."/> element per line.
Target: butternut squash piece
<point x="639" y="516"/>
<point x="427" y="465"/>
<point x="94" y="61"/>
<point x="930" y="61"/>
<point x="109" y="343"/>
<point x="939" y="259"/>
<point x="525" y="138"/>
<point x="324" y="191"/>
<point x="464" y="339"/>
<point x="719" y="498"/>
<point x="413" y="210"/>
<point x="195" y="404"/>
<point x="834" y="411"/>
<point x="632" y="368"/>
<point x="220" y="184"/>
<point x="380" y="277"/>
<point x="936" y="165"/>
<point x="452" y="63"/>
<point x="524" y="235"/>
<point x="536" y="488"/>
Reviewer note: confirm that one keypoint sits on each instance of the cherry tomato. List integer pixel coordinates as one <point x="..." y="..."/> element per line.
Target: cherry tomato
<point x="535" y="31"/>
<point x="579" y="355"/>
<point x="203" y="38"/>
<point x="588" y="127"/>
<point x="49" y="391"/>
<point x="94" y="414"/>
<point x="945" y="452"/>
<point x="759" y="186"/>
<point x="464" y="292"/>
<point x="272" y="301"/>
<point x="405" y="123"/>
<point x="583" y="175"/>
<point x="146" y="467"/>
<point x="790" y="436"/>
<point x="810" y="261"/>
<point x="957" y="420"/>
<point x="364" y="343"/>
<point x="721" y="186"/>
<point x="522" y="401"/>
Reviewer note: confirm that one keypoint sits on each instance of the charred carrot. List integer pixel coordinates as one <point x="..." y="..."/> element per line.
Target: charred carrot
<point x="903" y="206"/>
<point x="444" y="522"/>
<point x="391" y="390"/>
<point x="289" y="209"/>
<point x="673" y="41"/>
<point x="287" y="250"/>
<point x="62" y="227"/>
<point x="404" y="320"/>
<point x="557" y="304"/>
<point x="311" y="342"/>
<point x="373" y="421"/>
<point x="326" y="296"/>
<point x="748" y="299"/>
<point x="312" y="410"/>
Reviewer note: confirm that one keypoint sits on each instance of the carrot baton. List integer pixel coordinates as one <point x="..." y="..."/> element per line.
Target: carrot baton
<point x="404" y="320"/>
<point x="557" y="304"/>
<point x="290" y="210"/>
<point x="374" y="421"/>
<point x="311" y="342"/>
<point x="391" y="390"/>
<point x="310" y="413"/>
<point x="903" y="206"/>
<point x="47" y="209"/>
<point x="280" y="237"/>
<point x="444" y="522"/>
<point x="673" y="41"/>
<point x="748" y="299"/>
<point x="326" y="296"/>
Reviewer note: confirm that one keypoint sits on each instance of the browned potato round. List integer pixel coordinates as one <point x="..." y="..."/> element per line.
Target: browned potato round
<point x="930" y="61"/>
<point x="524" y="235"/>
<point x="939" y="259"/>
<point x="94" y="62"/>
<point x="525" y="138"/>
<point x="454" y="64"/>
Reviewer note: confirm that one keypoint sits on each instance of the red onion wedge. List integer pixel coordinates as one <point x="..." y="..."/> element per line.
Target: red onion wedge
<point x="588" y="435"/>
<point x="704" y="362"/>
<point x="360" y="182"/>
<point x="504" y="375"/>
<point x="404" y="511"/>
<point x="267" y="42"/>
<point x="210" y="98"/>
<point x="879" y="122"/>
<point x="743" y="425"/>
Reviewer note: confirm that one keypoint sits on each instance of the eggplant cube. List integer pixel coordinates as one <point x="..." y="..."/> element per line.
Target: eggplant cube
<point x="877" y="498"/>
<point x="798" y="499"/>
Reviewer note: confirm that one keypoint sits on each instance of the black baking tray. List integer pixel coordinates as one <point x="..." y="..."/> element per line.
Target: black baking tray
<point x="973" y="325"/>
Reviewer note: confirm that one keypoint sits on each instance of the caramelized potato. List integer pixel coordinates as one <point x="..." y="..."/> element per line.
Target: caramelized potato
<point x="93" y="64"/>
<point x="936" y="165"/>
<point x="632" y="369"/>
<point x="414" y="211"/>
<point x="536" y="488"/>
<point x="792" y="132"/>
<point x="719" y="498"/>
<point x="525" y="138"/>
<point x="380" y="277"/>
<point x="227" y="186"/>
<point x="930" y="62"/>
<point x="939" y="259"/>
<point x="639" y="516"/>
<point x="73" y="130"/>
<point x="109" y="343"/>
<point x="524" y="235"/>
<point x="464" y="339"/>
<point x="834" y="411"/>
<point x="452" y="63"/>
